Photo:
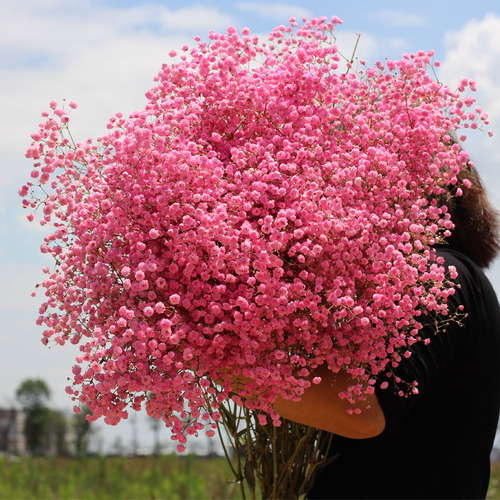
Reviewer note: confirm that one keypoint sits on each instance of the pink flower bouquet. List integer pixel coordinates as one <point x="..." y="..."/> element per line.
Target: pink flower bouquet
<point x="266" y="212"/>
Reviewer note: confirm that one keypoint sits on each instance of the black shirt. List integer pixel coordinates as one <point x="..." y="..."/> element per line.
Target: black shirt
<point x="436" y="444"/>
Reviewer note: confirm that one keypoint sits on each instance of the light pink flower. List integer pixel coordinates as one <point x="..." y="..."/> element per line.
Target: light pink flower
<point x="251" y="219"/>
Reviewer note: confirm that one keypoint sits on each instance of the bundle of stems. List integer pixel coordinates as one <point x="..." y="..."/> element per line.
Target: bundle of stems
<point x="268" y="461"/>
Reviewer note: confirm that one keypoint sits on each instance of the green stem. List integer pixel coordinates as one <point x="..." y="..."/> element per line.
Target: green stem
<point x="233" y="433"/>
<point x="275" y="463"/>
<point x="250" y="454"/>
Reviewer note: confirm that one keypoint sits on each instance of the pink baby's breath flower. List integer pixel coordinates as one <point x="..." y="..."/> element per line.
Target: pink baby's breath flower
<point x="160" y="307"/>
<point x="252" y="219"/>
<point x="149" y="311"/>
<point x="174" y="299"/>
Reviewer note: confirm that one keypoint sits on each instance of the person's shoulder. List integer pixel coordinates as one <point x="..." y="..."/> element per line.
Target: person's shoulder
<point x="466" y="268"/>
<point x="454" y="257"/>
<point x="473" y="289"/>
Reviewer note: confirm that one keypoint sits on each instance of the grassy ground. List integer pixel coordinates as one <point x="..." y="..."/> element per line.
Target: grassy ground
<point x="494" y="491"/>
<point x="167" y="478"/>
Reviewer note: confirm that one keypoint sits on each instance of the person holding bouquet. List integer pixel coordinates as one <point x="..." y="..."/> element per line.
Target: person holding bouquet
<point x="280" y="216"/>
<point x="434" y="443"/>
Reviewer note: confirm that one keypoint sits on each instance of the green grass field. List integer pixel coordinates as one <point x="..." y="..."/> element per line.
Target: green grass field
<point x="166" y="478"/>
<point x="494" y="491"/>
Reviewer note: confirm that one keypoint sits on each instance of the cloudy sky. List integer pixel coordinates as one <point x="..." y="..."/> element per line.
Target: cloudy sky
<point x="104" y="55"/>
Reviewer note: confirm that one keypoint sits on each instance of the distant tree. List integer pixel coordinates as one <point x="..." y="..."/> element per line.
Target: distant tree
<point x="33" y="395"/>
<point x="57" y="432"/>
<point x="36" y="429"/>
<point x="118" y="447"/>
<point x="156" y="426"/>
<point x="82" y="430"/>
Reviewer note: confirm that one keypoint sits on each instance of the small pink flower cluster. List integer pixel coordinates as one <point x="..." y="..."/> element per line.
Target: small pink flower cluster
<point x="264" y="214"/>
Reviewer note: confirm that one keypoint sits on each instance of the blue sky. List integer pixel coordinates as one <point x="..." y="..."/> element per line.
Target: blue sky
<point x="104" y="55"/>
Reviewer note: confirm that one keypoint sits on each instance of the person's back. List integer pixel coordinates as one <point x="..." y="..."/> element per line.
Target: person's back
<point x="436" y="444"/>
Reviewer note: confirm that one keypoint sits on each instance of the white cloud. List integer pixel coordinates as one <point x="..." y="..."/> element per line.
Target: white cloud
<point x="397" y="45"/>
<point x="23" y="355"/>
<point x="473" y="52"/>
<point x="397" y="19"/>
<point x="103" y="58"/>
<point x="197" y="17"/>
<point x="362" y="46"/>
<point x="279" y="11"/>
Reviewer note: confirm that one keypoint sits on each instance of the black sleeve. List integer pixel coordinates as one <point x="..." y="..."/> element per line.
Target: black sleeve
<point x="429" y="360"/>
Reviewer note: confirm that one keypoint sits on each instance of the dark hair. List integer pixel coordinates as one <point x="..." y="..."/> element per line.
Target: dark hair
<point x="477" y="225"/>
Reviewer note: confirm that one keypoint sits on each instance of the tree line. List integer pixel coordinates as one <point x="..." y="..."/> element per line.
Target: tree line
<point x="50" y="431"/>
